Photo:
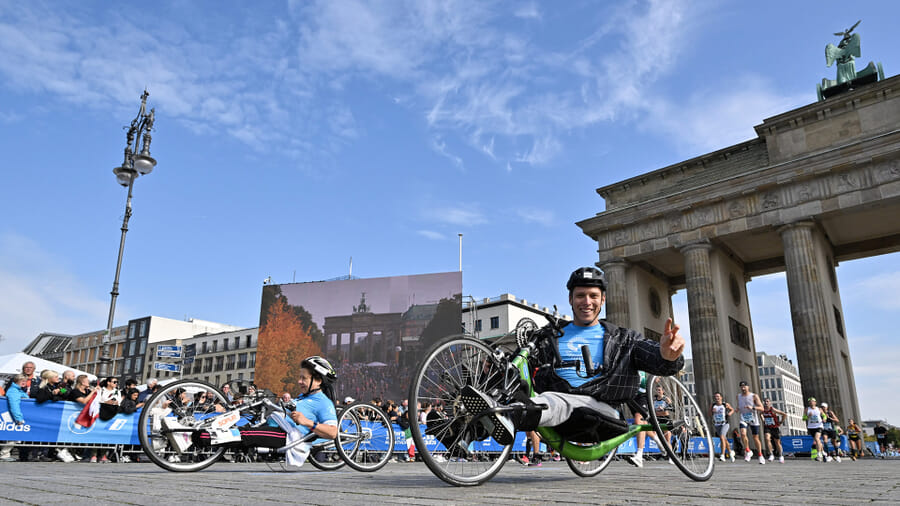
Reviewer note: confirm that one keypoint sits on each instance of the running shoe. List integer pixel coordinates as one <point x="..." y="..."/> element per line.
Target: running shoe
<point x="762" y="460"/>
<point x="722" y="457"/>
<point x="634" y="460"/>
<point x="771" y="457"/>
<point x="94" y="459"/>
<point x="748" y="456"/>
<point x="781" y="459"/>
<point x="556" y="458"/>
<point x="818" y="458"/>
<point x="525" y="461"/>
<point x="838" y="459"/>
<point x="828" y="458"/>
<point x="732" y="457"/>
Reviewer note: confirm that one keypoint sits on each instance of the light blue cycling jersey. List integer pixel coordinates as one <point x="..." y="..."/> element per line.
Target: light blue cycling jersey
<point x="316" y="406"/>
<point x="570" y="349"/>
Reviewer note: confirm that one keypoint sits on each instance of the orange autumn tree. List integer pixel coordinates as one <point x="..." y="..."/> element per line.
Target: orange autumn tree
<point x="283" y="344"/>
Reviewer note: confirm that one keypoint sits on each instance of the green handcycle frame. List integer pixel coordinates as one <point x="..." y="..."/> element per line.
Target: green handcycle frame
<point x="459" y="360"/>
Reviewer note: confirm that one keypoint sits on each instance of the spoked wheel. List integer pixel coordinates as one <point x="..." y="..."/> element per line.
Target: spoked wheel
<point x="592" y="468"/>
<point x="324" y="455"/>
<point x="171" y="417"/>
<point x="681" y="426"/>
<point x="455" y="446"/>
<point x="365" y="440"/>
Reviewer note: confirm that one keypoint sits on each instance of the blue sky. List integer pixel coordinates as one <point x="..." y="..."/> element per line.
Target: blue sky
<point x="292" y="136"/>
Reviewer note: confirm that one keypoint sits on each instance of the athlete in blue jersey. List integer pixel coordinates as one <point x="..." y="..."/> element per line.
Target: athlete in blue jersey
<point x="617" y="354"/>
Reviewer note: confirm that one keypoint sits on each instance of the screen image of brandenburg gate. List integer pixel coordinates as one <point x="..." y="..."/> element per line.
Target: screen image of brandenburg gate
<point x="818" y="185"/>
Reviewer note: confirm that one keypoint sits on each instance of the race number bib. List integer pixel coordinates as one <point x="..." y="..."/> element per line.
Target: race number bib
<point x="719" y="418"/>
<point x="747" y="417"/>
<point x="814" y="418"/>
<point x="770" y="421"/>
<point x="659" y="405"/>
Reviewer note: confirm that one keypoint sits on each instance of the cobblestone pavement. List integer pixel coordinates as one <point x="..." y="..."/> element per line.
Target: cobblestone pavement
<point x="795" y="482"/>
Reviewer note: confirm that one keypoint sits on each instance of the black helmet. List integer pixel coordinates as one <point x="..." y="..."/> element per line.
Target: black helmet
<point x="587" y="276"/>
<point x="320" y="366"/>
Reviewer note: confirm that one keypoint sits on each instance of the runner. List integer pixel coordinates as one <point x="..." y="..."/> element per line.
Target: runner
<point x="748" y="404"/>
<point x="813" y="418"/>
<point x="662" y="405"/>
<point x="829" y="432"/>
<point x="856" y="444"/>
<point x="773" y="432"/>
<point x="721" y="410"/>
<point x="637" y="459"/>
<point x="881" y="437"/>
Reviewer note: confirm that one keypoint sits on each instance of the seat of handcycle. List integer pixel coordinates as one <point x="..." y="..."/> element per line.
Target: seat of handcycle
<point x="587" y="425"/>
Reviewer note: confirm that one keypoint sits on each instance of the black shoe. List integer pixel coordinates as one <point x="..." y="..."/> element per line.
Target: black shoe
<point x="499" y="425"/>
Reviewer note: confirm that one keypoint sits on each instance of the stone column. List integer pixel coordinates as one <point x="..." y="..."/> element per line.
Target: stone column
<point x="809" y="315"/>
<point x="709" y="370"/>
<point x="616" y="293"/>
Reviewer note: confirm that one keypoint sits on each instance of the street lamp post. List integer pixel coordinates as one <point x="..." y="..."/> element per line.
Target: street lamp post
<point x="133" y="166"/>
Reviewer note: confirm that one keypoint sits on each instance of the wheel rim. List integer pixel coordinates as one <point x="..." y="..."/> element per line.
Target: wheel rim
<point x="690" y="443"/>
<point x="367" y="442"/>
<point x="450" y="447"/>
<point x="591" y="468"/>
<point x="159" y="447"/>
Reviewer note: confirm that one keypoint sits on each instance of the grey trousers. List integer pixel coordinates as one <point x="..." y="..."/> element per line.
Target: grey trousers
<point x="560" y="407"/>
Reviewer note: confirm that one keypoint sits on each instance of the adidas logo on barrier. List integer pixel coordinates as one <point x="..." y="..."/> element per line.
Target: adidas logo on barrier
<point x="7" y="423"/>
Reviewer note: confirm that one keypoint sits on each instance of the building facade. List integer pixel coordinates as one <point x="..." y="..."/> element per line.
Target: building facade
<point x="494" y="317"/>
<point x="220" y="357"/>
<point x="779" y="382"/>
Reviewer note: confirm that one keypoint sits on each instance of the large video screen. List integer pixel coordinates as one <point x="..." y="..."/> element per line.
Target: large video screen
<point x="373" y="331"/>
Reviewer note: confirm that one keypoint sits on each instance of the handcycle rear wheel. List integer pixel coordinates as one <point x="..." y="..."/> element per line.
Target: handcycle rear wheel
<point x="168" y="419"/>
<point x="365" y="439"/>
<point x="323" y="455"/>
<point x="454" y="448"/>
<point x="689" y="444"/>
<point x="592" y="468"/>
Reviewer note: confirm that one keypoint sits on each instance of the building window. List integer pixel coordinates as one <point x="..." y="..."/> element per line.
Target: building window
<point x="138" y="363"/>
<point x="838" y="321"/>
<point x="242" y="360"/>
<point x="252" y="360"/>
<point x="249" y="337"/>
<point x="237" y="342"/>
<point x="225" y="344"/>
<point x="215" y="346"/>
<point x="229" y="364"/>
<point x="132" y="329"/>
<point x="495" y="322"/>
<point x="220" y="361"/>
<point x="240" y="376"/>
<point x="143" y="348"/>
<point x="143" y="332"/>
<point x="477" y="325"/>
<point x="203" y="347"/>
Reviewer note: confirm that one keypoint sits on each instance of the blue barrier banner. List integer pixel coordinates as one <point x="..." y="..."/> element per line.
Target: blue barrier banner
<point x="55" y="422"/>
<point x="803" y="444"/>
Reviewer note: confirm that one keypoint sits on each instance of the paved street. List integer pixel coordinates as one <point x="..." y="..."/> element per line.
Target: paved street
<point x="795" y="482"/>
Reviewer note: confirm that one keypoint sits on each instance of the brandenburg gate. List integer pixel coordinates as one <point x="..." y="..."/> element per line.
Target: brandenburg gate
<point x="817" y="186"/>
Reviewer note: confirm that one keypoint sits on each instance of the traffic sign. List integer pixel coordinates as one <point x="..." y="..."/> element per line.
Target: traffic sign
<point x="190" y="350"/>
<point x="169" y="354"/>
<point x="162" y="366"/>
<point x="188" y="360"/>
<point x="173" y="347"/>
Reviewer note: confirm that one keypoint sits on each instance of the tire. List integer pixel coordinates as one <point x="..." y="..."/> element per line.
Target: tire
<point x="592" y="468"/>
<point x="690" y="435"/>
<point x="156" y="444"/>
<point x="365" y="440"/>
<point x="453" y="448"/>
<point x="323" y="455"/>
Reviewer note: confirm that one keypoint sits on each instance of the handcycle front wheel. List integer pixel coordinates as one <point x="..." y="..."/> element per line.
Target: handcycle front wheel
<point x="171" y="417"/>
<point x="593" y="467"/>
<point x="689" y="442"/>
<point x="365" y="439"/>
<point x="455" y="447"/>
<point x="324" y="455"/>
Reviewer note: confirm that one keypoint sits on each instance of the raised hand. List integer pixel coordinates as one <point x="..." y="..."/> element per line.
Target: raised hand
<point x="671" y="344"/>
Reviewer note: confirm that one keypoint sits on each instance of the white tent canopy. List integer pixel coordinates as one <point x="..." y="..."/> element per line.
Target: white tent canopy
<point x="12" y="364"/>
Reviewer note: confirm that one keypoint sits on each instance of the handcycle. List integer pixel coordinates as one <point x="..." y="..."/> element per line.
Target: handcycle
<point x="173" y="417"/>
<point x="458" y="449"/>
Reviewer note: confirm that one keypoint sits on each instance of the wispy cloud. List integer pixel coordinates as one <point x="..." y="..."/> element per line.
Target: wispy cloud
<point x="47" y="298"/>
<point x="431" y="234"/>
<point x="540" y="216"/>
<point x="464" y="214"/>
<point x="528" y="11"/>
<point x="872" y="291"/>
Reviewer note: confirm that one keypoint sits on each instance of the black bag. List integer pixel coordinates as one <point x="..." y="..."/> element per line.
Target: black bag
<point x="108" y="411"/>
